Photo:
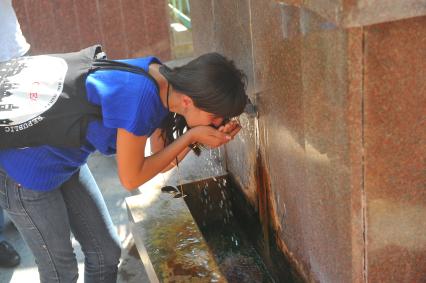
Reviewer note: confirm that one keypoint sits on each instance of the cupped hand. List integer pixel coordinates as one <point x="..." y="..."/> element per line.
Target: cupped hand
<point x="209" y="136"/>
<point x="231" y="128"/>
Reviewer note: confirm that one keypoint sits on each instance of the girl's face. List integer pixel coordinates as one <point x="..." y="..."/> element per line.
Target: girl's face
<point x="197" y="117"/>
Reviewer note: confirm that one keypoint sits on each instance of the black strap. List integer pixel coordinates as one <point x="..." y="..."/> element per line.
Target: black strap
<point x="105" y="64"/>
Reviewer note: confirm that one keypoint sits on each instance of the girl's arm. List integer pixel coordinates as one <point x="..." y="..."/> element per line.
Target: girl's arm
<point x="134" y="168"/>
<point x="157" y="144"/>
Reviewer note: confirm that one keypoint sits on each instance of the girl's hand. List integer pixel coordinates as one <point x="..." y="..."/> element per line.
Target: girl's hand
<point x="232" y="128"/>
<point x="211" y="137"/>
<point x="208" y="136"/>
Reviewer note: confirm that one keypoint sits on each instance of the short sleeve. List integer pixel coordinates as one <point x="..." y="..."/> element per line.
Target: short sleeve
<point x="135" y="108"/>
<point x="129" y="101"/>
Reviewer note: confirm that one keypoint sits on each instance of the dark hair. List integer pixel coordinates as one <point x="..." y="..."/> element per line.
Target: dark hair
<point x="213" y="83"/>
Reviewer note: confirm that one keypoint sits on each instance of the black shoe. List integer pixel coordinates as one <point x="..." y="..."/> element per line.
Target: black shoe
<point x="8" y="256"/>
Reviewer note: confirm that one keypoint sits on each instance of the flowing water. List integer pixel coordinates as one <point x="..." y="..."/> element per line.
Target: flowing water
<point x="211" y="206"/>
<point x="236" y="257"/>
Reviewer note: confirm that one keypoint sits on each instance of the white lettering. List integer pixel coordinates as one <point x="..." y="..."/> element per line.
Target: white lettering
<point x="23" y="126"/>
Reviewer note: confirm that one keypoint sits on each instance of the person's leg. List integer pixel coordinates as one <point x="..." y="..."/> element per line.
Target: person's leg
<point x="42" y="220"/>
<point x="92" y="226"/>
<point x="9" y="257"/>
<point x="1" y="225"/>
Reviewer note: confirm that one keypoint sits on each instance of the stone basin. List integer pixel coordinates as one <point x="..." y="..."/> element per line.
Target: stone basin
<point x="195" y="238"/>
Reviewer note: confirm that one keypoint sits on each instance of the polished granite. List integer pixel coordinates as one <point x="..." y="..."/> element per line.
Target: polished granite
<point x="356" y="13"/>
<point x="394" y="132"/>
<point x="314" y="161"/>
<point x="125" y="28"/>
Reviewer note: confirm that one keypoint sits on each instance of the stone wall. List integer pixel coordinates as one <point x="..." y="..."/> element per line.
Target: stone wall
<point x="335" y="162"/>
<point x="126" y="29"/>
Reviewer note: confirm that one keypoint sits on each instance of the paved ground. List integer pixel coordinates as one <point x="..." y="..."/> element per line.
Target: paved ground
<point x="104" y="170"/>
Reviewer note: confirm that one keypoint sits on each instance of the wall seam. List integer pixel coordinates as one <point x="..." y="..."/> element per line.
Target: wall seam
<point x="214" y="24"/>
<point x="363" y="192"/>
<point x="255" y="92"/>
<point x="255" y="100"/>
<point x="80" y="43"/>
<point x="123" y="27"/>
<point x="252" y="48"/>
<point x="101" y="28"/>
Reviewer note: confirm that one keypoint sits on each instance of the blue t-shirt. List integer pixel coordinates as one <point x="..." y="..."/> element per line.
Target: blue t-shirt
<point x="129" y="101"/>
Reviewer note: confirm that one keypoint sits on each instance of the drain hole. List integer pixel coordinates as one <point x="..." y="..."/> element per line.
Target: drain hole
<point x="169" y="189"/>
<point x="178" y="195"/>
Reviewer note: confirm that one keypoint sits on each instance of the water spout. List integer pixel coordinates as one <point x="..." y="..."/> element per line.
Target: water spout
<point x="251" y="110"/>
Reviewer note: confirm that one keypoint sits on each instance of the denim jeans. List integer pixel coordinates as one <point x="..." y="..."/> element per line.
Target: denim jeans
<point x="46" y="219"/>
<point x="1" y="225"/>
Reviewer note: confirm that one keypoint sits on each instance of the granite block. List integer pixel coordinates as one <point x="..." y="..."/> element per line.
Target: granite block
<point x="113" y="31"/>
<point x="394" y="123"/>
<point x="357" y="13"/>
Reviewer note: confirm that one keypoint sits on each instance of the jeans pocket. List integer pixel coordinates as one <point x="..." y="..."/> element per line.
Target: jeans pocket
<point x="4" y="201"/>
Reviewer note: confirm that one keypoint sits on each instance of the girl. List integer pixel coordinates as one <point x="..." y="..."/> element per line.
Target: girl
<point x="49" y="191"/>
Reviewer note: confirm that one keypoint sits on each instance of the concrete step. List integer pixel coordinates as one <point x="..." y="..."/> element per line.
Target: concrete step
<point x="168" y="240"/>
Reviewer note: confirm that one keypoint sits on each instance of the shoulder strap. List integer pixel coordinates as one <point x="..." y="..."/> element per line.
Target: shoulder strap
<point x="105" y="64"/>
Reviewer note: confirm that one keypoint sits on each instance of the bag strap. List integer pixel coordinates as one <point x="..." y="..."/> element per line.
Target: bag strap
<point x="105" y="64"/>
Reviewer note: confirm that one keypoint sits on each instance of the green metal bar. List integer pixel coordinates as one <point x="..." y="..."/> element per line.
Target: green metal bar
<point x="174" y="10"/>
<point x="179" y="5"/>
<point x="186" y="21"/>
<point x="188" y="6"/>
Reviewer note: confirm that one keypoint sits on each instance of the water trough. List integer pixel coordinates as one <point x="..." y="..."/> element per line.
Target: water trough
<point x="195" y="238"/>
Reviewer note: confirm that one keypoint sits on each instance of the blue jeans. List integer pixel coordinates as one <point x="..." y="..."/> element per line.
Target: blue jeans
<point x="45" y="220"/>
<point x="1" y="225"/>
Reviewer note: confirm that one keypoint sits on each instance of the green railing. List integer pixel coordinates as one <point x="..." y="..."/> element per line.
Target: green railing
<point x="181" y="11"/>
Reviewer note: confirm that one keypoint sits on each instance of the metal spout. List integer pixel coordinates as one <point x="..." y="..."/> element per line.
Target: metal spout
<point x="251" y="110"/>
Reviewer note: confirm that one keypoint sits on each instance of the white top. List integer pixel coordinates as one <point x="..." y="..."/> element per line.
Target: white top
<point x="12" y="42"/>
